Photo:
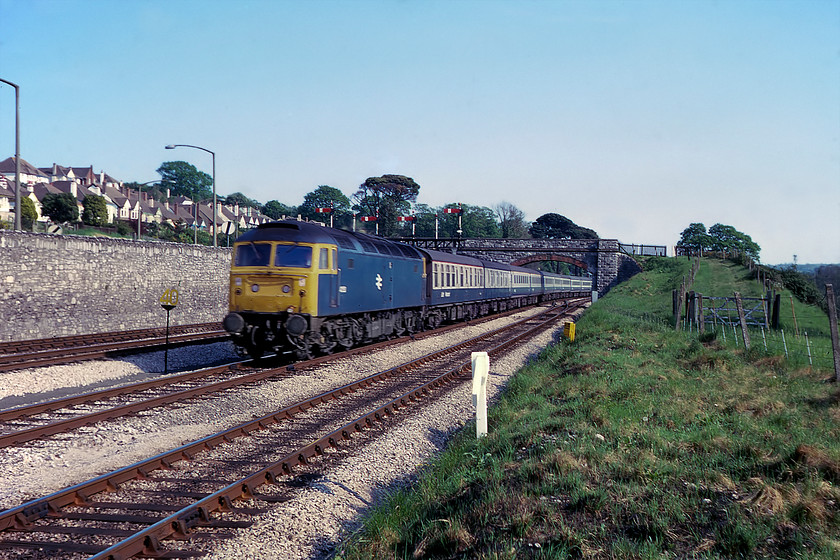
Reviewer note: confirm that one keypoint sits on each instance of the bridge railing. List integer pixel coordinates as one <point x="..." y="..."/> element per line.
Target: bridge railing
<point x="643" y="250"/>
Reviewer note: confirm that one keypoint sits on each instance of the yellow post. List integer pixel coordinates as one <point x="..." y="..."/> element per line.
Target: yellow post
<point x="569" y="331"/>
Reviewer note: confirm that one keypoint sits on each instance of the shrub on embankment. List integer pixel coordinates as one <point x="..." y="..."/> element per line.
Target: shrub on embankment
<point x="635" y="441"/>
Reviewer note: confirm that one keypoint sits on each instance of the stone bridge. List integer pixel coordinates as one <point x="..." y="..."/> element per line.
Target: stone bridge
<point x="601" y="258"/>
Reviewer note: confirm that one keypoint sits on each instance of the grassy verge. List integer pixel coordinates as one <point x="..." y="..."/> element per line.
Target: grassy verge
<point x="635" y="441"/>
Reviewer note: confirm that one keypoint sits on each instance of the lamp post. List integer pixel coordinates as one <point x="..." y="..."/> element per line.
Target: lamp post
<point x="17" y="152"/>
<point x="172" y="147"/>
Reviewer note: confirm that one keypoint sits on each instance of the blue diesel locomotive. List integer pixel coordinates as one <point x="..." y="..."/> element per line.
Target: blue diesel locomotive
<point x="302" y="287"/>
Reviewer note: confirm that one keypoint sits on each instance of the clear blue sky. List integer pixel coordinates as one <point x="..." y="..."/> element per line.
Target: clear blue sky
<point x="634" y="118"/>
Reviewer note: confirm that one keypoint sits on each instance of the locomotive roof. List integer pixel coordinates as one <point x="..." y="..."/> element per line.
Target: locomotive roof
<point x="288" y="230"/>
<point x="312" y="232"/>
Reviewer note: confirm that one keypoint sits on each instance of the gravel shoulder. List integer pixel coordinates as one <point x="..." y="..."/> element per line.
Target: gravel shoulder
<point x="322" y="511"/>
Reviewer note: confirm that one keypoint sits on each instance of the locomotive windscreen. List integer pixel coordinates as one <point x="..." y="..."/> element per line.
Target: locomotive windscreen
<point x="252" y="254"/>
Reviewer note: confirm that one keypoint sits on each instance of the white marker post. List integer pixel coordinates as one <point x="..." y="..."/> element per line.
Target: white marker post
<point x="480" y="370"/>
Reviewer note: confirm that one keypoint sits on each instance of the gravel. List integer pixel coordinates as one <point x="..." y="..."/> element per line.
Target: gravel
<point x="323" y="511"/>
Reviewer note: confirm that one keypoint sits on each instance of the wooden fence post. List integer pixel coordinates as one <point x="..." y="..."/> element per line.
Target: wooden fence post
<point x="680" y="303"/>
<point x="777" y="304"/>
<point x="832" y="318"/>
<point x="739" y="305"/>
<point x="701" y="320"/>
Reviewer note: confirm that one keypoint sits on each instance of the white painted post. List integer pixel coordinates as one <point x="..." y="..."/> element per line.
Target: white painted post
<point x="480" y="370"/>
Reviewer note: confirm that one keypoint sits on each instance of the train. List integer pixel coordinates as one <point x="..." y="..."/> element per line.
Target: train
<point x="303" y="288"/>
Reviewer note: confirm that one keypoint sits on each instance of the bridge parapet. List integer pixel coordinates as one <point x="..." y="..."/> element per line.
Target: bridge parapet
<point x="599" y="257"/>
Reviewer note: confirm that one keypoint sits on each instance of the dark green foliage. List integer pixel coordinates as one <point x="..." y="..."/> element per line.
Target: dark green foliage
<point x="28" y="213"/>
<point x="555" y="226"/>
<point x="828" y="274"/>
<point x="186" y="180"/>
<point x="721" y="238"/>
<point x="95" y="212"/>
<point x="801" y="285"/>
<point x="327" y="197"/>
<point x="276" y="210"/>
<point x="124" y="228"/>
<point x="386" y="197"/>
<point x="694" y="238"/>
<point x="60" y="207"/>
<point x="242" y="200"/>
<point x="476" y="221"/>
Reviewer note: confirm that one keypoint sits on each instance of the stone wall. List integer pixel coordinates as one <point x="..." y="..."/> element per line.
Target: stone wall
<point x="52" y="285"/>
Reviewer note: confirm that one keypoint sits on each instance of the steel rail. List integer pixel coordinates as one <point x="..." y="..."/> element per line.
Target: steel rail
<point x="22" y="516"/>
<point x="178" y="525"/>
<point x="62" y="426"/>
<point x="57" y="356"/>
<point x="32" y="345"/>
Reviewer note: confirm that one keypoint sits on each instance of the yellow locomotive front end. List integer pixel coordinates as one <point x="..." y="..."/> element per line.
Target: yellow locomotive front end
<point x="273" y="278"/>
<point x="274" y="292"/>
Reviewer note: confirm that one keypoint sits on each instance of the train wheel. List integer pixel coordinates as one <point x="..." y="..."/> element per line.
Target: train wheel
<point x="327" y="342"/>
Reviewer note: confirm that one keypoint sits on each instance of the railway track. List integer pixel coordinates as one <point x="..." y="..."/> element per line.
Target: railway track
<point x="23" y="424"/>
<point x="195" y="491"/>
<point x="63" y="350"/>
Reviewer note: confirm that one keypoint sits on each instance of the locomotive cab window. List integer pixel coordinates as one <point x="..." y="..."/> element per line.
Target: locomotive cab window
<point x="294" y="256"/>
<point x="252" y="254"/>
<point x="324" y="259"/>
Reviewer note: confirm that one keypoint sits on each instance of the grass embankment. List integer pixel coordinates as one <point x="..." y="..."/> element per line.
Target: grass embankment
<point x="635" y="441"/>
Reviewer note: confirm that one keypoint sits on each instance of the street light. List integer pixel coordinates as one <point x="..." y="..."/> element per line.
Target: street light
<point x="17" y="152"/>
<point x="172" y="147"/>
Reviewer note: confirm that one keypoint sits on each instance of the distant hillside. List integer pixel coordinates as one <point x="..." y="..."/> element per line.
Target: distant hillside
<point x="803" y="268"/>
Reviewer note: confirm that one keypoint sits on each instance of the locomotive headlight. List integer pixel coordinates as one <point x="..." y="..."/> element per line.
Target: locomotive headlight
<point x="255" y="288"/>
<point x="286" y="288"/>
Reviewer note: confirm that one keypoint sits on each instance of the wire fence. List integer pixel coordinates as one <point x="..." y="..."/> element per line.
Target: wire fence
<point x="803" y="350"/>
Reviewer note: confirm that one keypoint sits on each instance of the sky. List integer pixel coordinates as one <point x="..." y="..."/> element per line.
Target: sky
<point x="634" y="118"/>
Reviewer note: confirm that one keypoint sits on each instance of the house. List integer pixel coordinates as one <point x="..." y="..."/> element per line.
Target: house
<point x="29" y="174"/>
<point x="122" y="203"/>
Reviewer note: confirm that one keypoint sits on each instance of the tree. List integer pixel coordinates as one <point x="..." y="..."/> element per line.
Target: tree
<point x="476" y="221"/>
<point x="276" y="210"/>
<point x="60" y="207"/>
<point x="425" y="220"/>
<point x="386" y="197"/>
<point x="727" y="238"/>
<point x="185" y="180"/>
<point x="95" y="212"/>
<point x="511" y="220"/>
<point x="694" y="239"/>
<point x="242" y="200"/>
<point x="555" y="226"/>
<point x="327" y="197"/>
<point x="28" y="213"/>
